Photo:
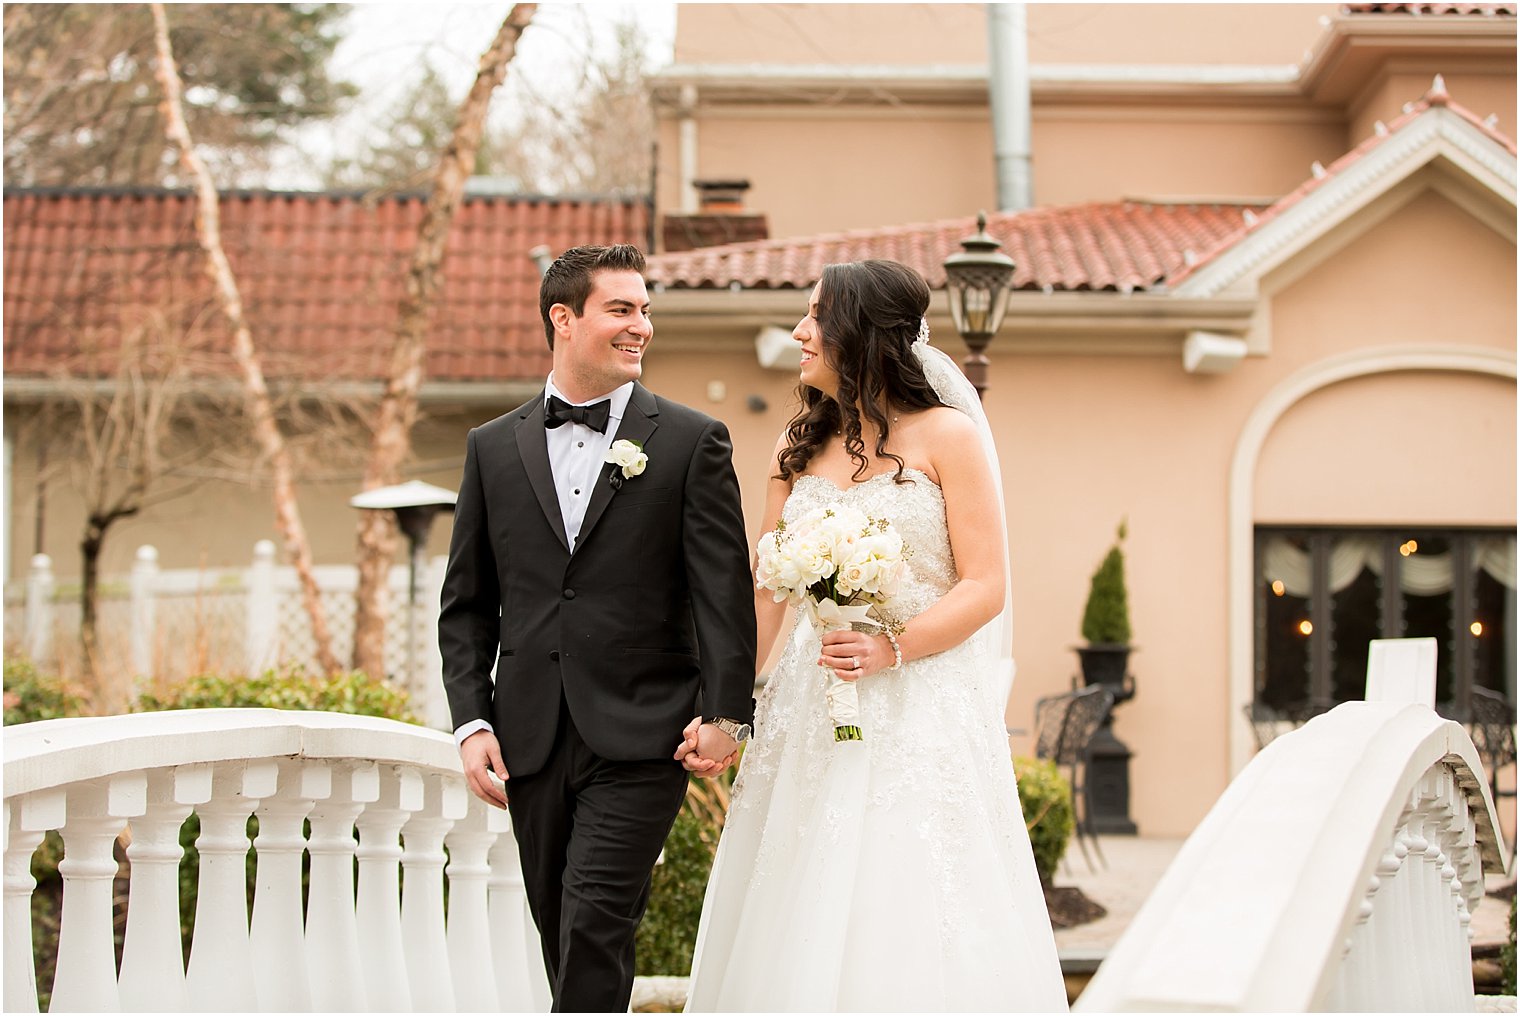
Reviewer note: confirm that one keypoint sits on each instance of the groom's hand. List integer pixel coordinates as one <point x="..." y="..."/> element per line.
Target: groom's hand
<point x="691" y="755"/>
<point x="478" y="752"/>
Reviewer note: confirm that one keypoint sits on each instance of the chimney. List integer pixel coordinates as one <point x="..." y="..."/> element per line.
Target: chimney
<point x="720" y="219"/>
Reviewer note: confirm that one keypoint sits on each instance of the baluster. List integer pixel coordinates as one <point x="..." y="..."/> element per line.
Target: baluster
<point x="220" y="977"/>
<point x="379" y="906"/>
<point x="470" y="950"/>
<point x="521" y="981"/>
<point x="332" y="934"/>
<point x="152" y="956"/>
<point x="85" y="979"/>
<point x="277" y="936"/>
<point x="26" y="821"/>
<point x="445" y="800"/>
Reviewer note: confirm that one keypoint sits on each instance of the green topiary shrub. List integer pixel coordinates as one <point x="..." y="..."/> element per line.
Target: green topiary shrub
<point x="1045" y="796"/>
<point x="1106" y="617"/>
<point x="668" y="934"/>
<point x="30" y="695"/>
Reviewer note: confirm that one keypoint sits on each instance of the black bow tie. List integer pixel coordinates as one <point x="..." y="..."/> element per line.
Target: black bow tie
<point x="594" y="416"/>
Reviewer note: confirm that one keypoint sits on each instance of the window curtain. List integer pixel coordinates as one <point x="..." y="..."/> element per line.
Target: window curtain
<point x="1419" y="574"/>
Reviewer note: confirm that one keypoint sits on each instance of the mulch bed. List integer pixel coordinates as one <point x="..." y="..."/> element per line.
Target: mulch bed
<point x="1069" y="907"/>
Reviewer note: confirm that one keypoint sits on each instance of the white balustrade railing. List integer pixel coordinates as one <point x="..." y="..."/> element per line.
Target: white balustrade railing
<point x="387" y="794"/>
<point x="1338" y="872"/>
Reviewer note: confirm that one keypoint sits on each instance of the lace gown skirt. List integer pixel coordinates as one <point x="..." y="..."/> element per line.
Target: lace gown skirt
<point x="890" y="874"/>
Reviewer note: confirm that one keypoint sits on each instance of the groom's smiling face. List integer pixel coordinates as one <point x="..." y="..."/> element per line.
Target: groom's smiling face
<point x="603" y="347"/>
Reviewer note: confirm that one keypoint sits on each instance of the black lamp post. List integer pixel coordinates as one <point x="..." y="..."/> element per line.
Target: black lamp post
<point x="976" y="281"/>
<point x="415" y="504"/>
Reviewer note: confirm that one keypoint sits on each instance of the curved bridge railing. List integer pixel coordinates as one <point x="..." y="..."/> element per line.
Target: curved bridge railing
<point x="385" y="793"/>
<point x="1338" y="872"/>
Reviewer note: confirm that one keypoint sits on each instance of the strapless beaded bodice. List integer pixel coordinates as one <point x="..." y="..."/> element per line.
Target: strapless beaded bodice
<point x="916" y="510"/>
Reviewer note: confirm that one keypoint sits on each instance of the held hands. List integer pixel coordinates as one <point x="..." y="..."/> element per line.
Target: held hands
<point x="705" y="750"/>
<point x="853" y="654"/>
<point x="480" y="754"/>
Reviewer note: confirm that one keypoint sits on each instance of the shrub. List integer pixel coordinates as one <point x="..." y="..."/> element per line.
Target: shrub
<point x="30" y="695"/>
<point x="1106" y="617"/>
<point x="1045" y="797"/>
<point x="668" y="934"/>
<point x="1507" y="954"/>
<point x="289" y="688"/>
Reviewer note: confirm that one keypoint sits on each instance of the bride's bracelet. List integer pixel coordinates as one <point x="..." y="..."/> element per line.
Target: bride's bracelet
<point x="896" y="650"/>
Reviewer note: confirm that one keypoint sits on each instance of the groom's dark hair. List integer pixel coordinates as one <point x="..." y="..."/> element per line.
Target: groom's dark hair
<point x="568" y="279"/>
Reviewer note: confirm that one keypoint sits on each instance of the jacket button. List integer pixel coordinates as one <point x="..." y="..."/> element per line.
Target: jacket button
<point x="554" y="655"/>
<point x="569" y="594"/>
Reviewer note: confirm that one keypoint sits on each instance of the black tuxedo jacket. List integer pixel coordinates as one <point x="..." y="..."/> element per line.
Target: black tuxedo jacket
<point x="649" y="622"/>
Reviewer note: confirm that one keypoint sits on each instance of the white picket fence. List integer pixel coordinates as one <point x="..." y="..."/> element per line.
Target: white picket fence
<point x="167" y="624"/>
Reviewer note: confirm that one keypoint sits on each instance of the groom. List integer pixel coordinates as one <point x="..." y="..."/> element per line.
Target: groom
<point x="599" y="566"/>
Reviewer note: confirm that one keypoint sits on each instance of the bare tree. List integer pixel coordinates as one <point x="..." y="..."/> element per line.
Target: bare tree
<point x="392" y="435"/>
<point x="256" y="391"/>
<point x="81" y="103"/>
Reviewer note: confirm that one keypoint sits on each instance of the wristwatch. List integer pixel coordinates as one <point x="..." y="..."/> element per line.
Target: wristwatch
<point x="740" y="732"/>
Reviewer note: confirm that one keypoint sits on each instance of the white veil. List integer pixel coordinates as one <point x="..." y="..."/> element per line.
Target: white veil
<point x="955" y="391"/>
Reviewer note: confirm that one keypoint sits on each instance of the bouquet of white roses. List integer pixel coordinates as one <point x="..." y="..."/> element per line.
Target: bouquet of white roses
<point x="837" y="563"/>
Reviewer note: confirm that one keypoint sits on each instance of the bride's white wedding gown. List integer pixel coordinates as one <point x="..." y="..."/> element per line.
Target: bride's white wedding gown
<point x="890" y="874"/>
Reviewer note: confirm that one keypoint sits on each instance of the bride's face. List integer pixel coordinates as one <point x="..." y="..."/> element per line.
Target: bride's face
<point x="815" y="369"/>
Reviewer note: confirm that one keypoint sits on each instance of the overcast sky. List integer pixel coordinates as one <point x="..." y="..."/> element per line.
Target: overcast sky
<point x="385" y="46"/>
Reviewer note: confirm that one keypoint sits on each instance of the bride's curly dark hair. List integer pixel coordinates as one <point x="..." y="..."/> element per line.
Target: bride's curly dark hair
<point x="869" y="314"/>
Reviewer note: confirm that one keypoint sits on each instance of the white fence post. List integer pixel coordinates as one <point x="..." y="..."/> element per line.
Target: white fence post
<point x="263" y="632"/>
<point x="144" y="604"/>
<point x="39" y="610"/>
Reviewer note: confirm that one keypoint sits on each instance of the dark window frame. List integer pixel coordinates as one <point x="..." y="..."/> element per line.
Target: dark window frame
<point x="1320" y="685"/>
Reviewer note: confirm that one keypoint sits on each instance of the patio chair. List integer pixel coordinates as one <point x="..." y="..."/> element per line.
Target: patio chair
<point x="1064" y="729"/>
<point x="1492" y="725"/>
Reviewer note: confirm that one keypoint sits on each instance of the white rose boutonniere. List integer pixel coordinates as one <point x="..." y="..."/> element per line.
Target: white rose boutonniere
<point x="629" y="457"/>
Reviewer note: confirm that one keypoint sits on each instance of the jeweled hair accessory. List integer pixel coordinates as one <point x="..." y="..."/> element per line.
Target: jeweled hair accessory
<point x="923" y="330"/>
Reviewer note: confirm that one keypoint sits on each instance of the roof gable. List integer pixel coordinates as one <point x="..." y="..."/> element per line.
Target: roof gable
<point x="1433" y="130"/>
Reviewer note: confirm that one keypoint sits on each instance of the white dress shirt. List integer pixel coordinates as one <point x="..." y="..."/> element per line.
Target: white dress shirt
<point x="577" y="454"/>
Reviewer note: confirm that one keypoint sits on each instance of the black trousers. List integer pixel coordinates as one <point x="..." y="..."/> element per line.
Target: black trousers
<point x="589" y="831"/>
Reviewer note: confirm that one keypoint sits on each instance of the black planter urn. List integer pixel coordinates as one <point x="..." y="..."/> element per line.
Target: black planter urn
<point x="1108" y="757"/>
<point x="1106" y="663"/>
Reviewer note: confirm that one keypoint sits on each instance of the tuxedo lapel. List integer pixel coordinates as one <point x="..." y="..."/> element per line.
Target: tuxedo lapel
<point x="638" y="424"/>
<point x="533" y="446"/>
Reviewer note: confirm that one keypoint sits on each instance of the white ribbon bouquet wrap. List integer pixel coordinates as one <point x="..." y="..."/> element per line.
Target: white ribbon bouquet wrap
<point x="839" y="564"/>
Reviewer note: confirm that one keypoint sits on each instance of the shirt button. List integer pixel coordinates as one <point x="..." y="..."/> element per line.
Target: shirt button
<point x="569" y="594"/>
<point x="580" y="444"/>
<point x="554" y="655"/>
<point x="577" y="490"/>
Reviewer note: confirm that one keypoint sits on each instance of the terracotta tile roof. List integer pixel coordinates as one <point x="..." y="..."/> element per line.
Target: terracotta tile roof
<point x="1119" y="246"/>
<point x="1488" y="10"/>
<point x="1320" y="176"/>
<point x="321" y="275"/>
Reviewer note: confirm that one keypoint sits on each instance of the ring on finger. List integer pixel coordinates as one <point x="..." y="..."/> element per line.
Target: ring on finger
<point x="854" y="663"/>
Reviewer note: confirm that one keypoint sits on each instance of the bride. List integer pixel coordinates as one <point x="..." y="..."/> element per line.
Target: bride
<point x="891" y="873"/>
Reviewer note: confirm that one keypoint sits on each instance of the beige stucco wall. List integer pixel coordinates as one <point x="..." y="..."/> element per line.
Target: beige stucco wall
<point x="1484" y="85"/>
<point x="216" y="522"/>
<point x="835" y="162"/>
<point x="955" y="33"/>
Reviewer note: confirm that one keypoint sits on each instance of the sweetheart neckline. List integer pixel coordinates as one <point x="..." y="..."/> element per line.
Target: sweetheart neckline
<point x="861" y="483"/>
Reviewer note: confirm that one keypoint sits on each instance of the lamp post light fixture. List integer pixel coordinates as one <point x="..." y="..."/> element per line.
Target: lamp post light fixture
<point x="415" y="504"/>
<point x="976" y="281"/>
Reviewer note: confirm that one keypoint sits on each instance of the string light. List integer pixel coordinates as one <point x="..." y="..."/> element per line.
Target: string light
<point x="1476" y="628"/>
<point x="1305" y="627"/>
<point x="1277" y="587"/>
